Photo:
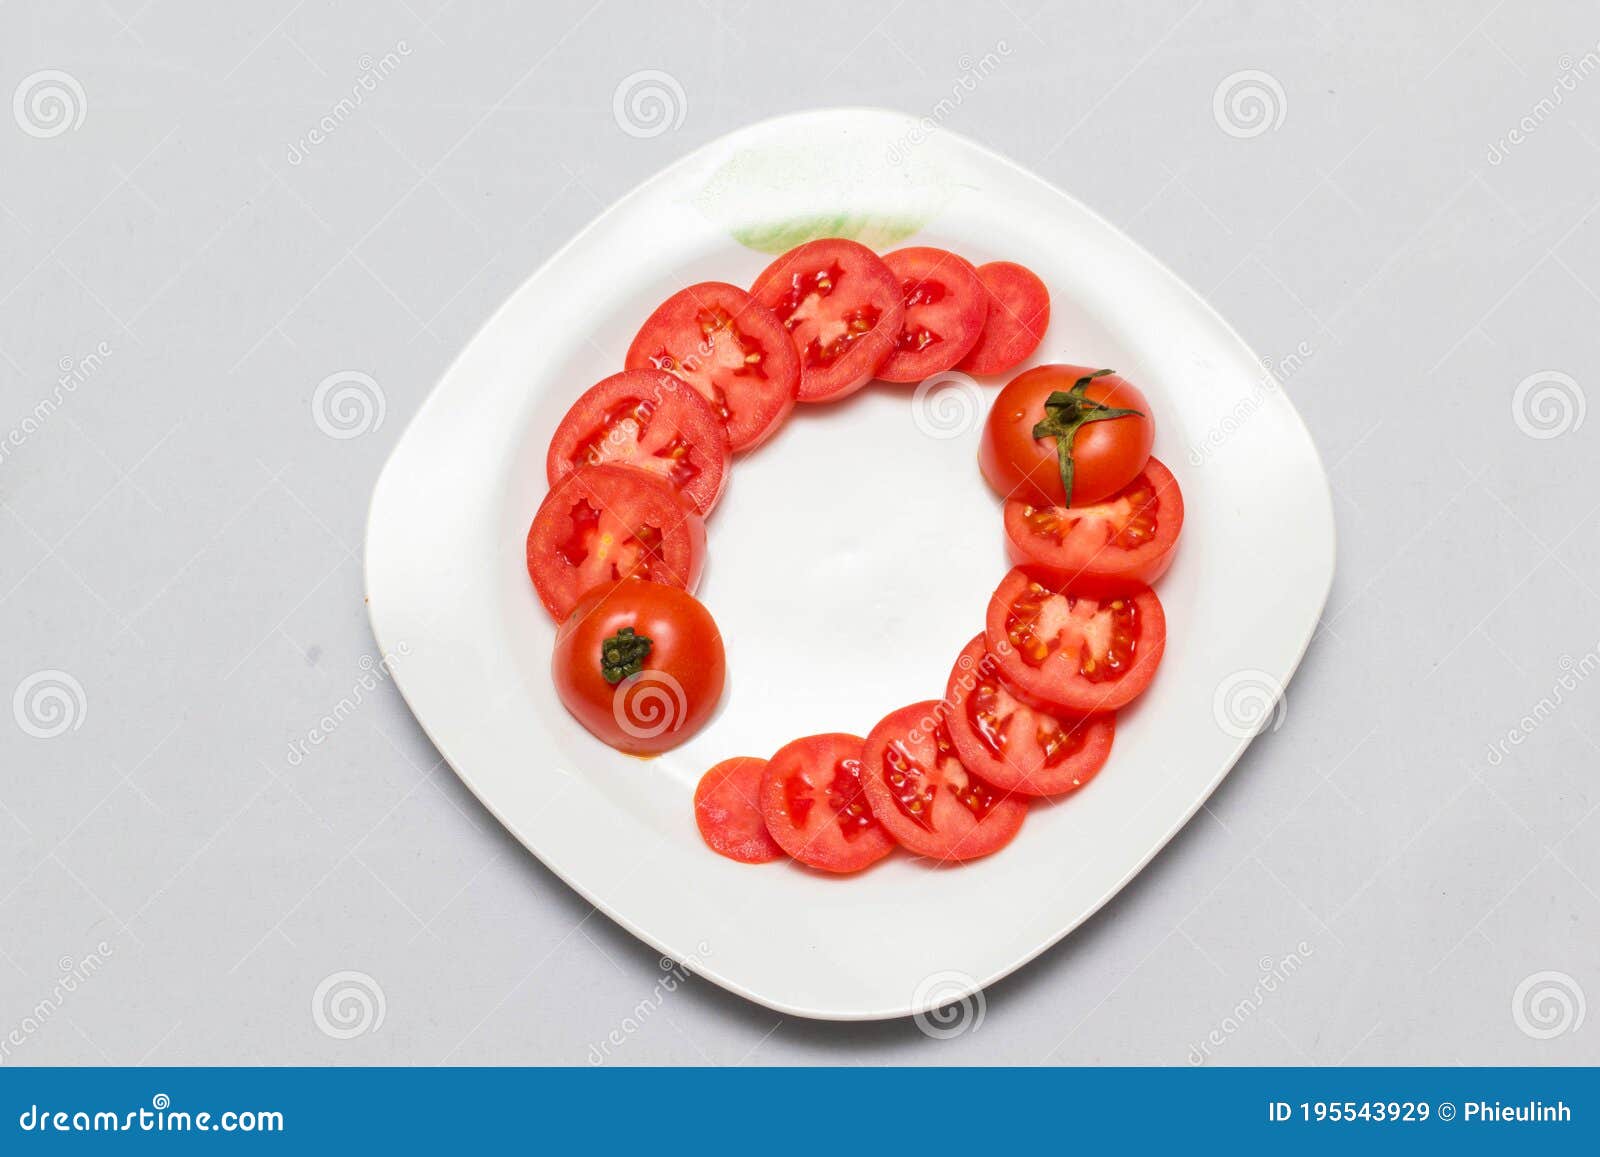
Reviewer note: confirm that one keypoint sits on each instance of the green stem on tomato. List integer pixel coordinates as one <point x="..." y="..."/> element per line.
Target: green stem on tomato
<point x="1065" y="413"/>
<point x="623" y="654"/>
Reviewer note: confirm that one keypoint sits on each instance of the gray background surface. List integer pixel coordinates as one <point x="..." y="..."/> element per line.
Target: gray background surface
<point x="181" y="539"/>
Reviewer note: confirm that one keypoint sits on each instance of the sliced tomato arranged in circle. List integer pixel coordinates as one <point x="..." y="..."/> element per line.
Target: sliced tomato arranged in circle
<point x="1015" y="746"/>
<point x="731" y="349"/>
<point x="604" y="523"/>
<point x="843" y="309"/>
<point x="945" y="306"/>
<point x="1017" y="314"/>
<point x="929" y="801"/>
<point x="1117" y="544"/>
<point x="650" y="420"/>
<point x="816" y="808"/>
<point x="727" y="808"/>
<point x="1071" y="651"/>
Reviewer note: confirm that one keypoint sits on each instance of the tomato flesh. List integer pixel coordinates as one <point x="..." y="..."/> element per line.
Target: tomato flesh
<point x="1016" y="316"/>
<point x="731" y="349"/>
<point x="944" y="306"/>
<point x="1011" y="743"/>
<point x="926" y="797"/>
<point x="727" y="809"/>
<point x="842" y="308"/>
<point x="815" y="807"/>
<point x="1074" y="652"/>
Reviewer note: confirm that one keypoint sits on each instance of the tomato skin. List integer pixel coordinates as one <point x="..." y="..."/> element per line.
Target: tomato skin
<point x="699" y="334"/>
<point x="649" y="420"/>
<point x="727" y="809"/>
<point x="817" y="773"/>
<point x="998" y="735"/>
<point x="1015" y="625"/>
<point x="681" y="680"/>
<point x="1124" y="543"/>
<point x="1108" y="454"/>
<point x="835" y="359"/>
<point x="936" y="334"/>
<point x="1017" y="315"/>
<point x="624" y="501"/>
<point x="962" y="816"/>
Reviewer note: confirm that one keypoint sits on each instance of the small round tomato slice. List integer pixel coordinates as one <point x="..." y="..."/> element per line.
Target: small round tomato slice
<point x="1018" y="313"/>
<point x="945" y="306"/>
<point x="727" y="808"/>
<point x="929" y="801"/>
<point x="647" y="419"/>
<point x="816" y="808"/>
<point x="1015" y="746"/>
<point x="842" y="308"/>
<point x="604" y="523"/>
<point x="1118" y="544"/>
<point x="731" y="349"/>
<point x="1073" y="652"/>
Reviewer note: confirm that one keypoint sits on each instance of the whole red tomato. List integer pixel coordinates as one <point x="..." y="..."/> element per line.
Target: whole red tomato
<point x="1057" y="426"/>
<point x="640" y="665"/>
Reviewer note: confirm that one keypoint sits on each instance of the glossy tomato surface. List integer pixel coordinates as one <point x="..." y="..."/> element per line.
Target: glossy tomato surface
<point x="1076" y="653"/>
<point x="842" y="308"/>
<point x="727" y="809"/>
<point x="1107" y="454"/>
<point x="1017" y="312"/>
<point x="640" y="665"/>
<point x="926" y="798"/>
<point x="731" y="349"/>
<point x="816" y="808"/>
<point x="604" y="523"/>
<point x="1014" y="745"/>
<point x="1117" y="544"/>
<point x="650" y="420"/>
<point x="945" y="306"/>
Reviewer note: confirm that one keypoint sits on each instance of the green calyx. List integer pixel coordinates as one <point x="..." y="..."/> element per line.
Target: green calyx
<point x="623" y="654"/>
<point x="1065" y="413"/>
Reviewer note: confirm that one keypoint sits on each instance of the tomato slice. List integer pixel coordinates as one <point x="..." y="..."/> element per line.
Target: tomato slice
<point x="929" y="801"/>
<point x="1118" y="544"/>
<point x="731" y="349"/>
<point x="1015" y="746"/>
<point x="842" y="308"/>
<point x="727" y="808"/>
<point x="945" y="307"/>
<point x="1018" y="313"/>
<point x="604" y="523"/>
<point x="651" y="420"/>
<point x="1073" y="652"/>
<point x="816" y="808"/>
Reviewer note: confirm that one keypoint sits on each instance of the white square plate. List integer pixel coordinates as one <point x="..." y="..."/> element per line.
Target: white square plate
<point x="850" y="559"/>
